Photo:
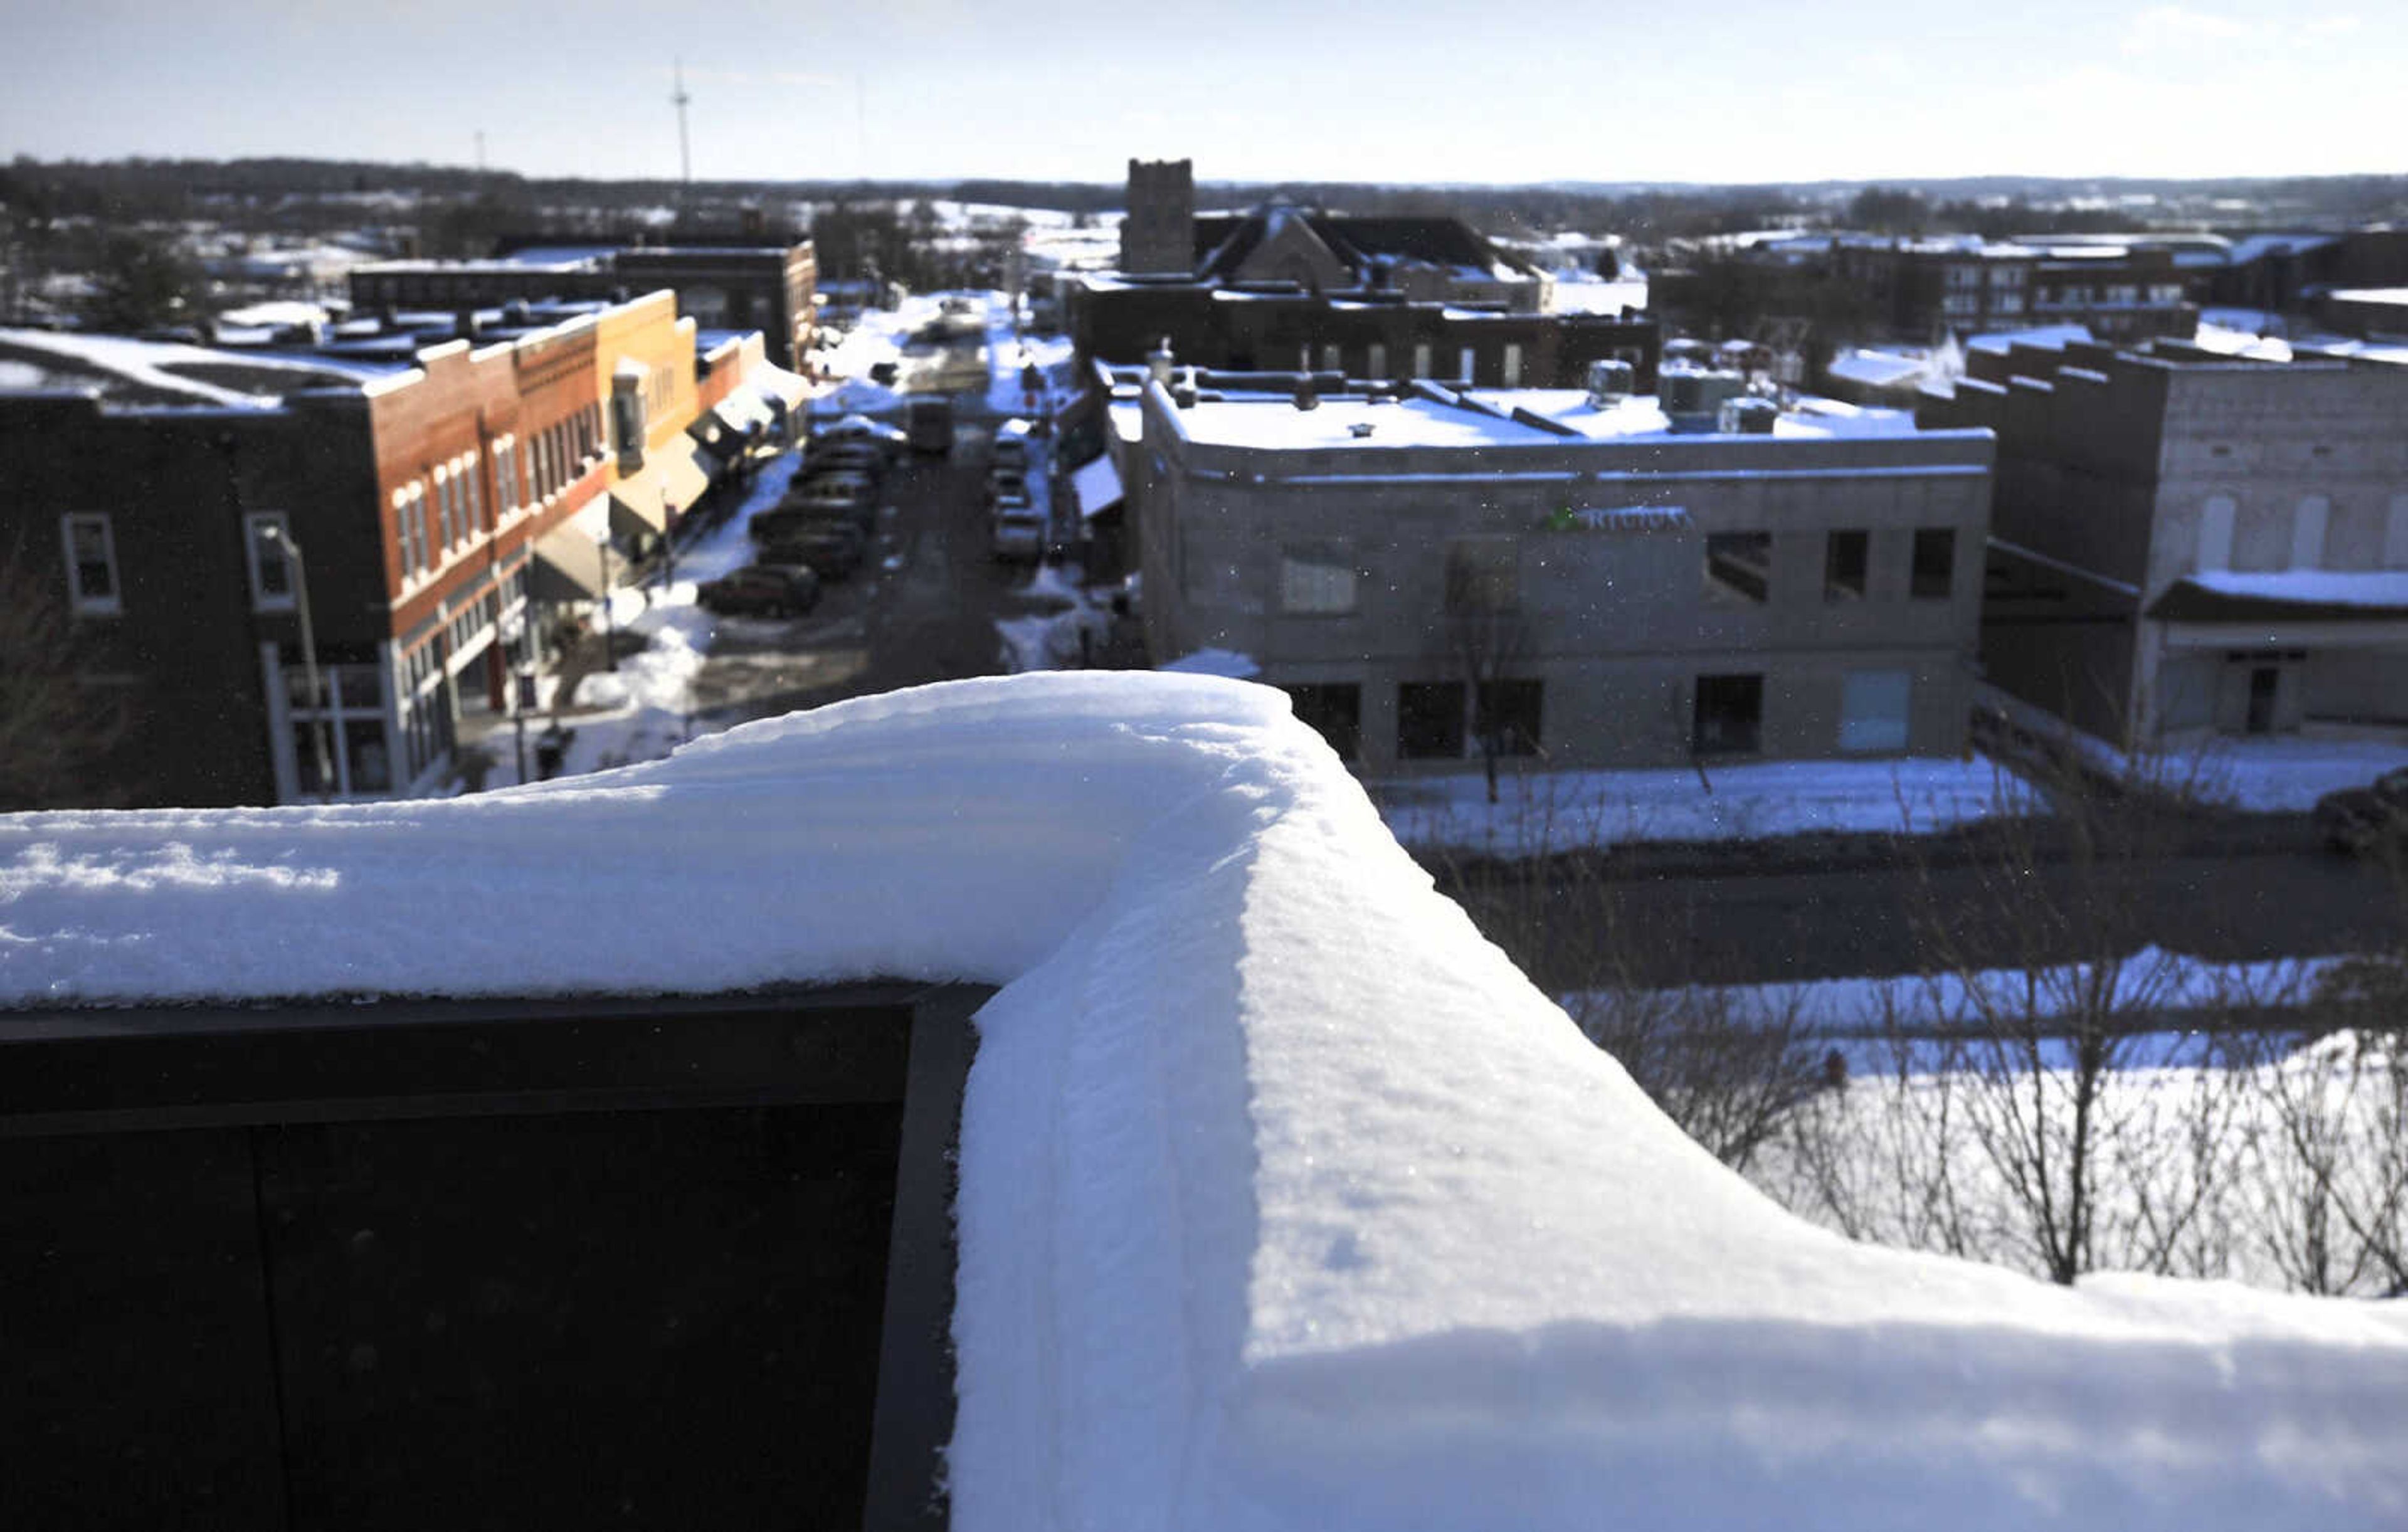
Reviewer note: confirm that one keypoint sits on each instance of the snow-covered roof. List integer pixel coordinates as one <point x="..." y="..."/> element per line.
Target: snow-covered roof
<point x="2381" y="590"/>
<point x="148" y="373"/>
<point x="1877" y="369"/>
<point x="1284" y="1200"/>
<point x="2388" y="296"/>
<point x="1226" y="663"/>
<point x="2053" y="337"/>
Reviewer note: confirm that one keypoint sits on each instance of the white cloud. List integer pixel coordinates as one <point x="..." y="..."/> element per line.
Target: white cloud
<point x="2171" y="26"/>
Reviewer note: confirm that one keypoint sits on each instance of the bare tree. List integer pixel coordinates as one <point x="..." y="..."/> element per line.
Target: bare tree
<point x="54" y="726"/>
<point x="2044" y="975"/>
<point x="1490" y="642"/>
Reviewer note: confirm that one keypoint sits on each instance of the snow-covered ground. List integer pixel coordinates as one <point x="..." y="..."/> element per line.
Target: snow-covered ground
<point x="1050" y="637"/>
<point x="2258" y="773"/>
<point x="1284" y="1200"/>
<point x="2200" y="1167"/>
<point x="1543" y="812"/>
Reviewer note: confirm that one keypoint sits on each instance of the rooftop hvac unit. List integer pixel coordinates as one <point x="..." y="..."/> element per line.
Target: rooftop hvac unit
<point x="1748" y="417"/>
<point x="1693" y="397"/>
<point x="1611" y="381"/>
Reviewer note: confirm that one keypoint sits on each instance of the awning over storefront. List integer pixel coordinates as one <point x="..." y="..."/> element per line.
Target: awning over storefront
<point x="743" y="412"/>
<point x="774" y="382"/>
<point x="1098" y="488"/>
<point x="2224" y="595"/>
<point x="685" y="475"/>
<point x="568" y="566"/>
<point x="636" y="507"/>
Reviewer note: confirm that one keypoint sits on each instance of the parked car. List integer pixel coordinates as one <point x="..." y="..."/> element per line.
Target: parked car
<point x="846" y="456"/>
<point x="2359" y="819"/>
<point x="830" y="550"/>
<point x="1002" y="486"/>
<point x="761" y="590"/>
<point x="931" y="424"/>
<point x="1019" y="531"/>
<point x="892" y="439"/>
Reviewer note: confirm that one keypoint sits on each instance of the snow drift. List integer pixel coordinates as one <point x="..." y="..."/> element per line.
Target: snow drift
<point x="1285" y="1201"/>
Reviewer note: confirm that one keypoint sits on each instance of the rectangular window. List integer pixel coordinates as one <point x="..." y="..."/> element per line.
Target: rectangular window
<point x="2308" y="532"/>
<point x="2215" y="533"/>
<point x="629" y="410"/>
<point x="474" y="478"/>
<point x="1464" y="360"/>
<point x="1421" y="359"/>
<point x="1377" y="365"/>
<point x="1873" y="711"/>
<point x="1729" y="719"/>
<point x="1739" y="567"/>
<point x="1317" y="581"/>
<point x="1429" y="721"/>
<point x="1483" y="573"/>
<point x="268" y="538"/>
<point x="1513" y="363"/>
<point x="1506" y="715"/>
<point x="1935" y="563"/>
<point x="1332" y="358"/>
<point x="90" y="544"/>
<point x="1333" y="709"/>
<point x="1843" y="566"/>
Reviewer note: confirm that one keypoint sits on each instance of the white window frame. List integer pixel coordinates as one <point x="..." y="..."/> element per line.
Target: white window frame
<point x="253" y="524"/>
<point x="111" y="603"/>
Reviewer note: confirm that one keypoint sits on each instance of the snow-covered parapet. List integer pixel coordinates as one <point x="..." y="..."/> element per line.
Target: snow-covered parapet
<point x="1285" y="1200"/>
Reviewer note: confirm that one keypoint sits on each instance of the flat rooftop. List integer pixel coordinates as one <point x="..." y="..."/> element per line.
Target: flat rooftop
<point x="1487" y="417"/>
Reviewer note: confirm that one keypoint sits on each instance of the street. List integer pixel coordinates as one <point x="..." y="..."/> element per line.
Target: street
<point x="1761" y="926"/>
<point x="929" y="617"/>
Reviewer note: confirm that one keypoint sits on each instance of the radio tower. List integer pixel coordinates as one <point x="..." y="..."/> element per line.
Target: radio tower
<point x="686" y="155"/>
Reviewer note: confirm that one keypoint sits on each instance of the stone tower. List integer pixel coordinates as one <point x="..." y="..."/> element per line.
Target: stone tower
<point x="1158" y="236"/>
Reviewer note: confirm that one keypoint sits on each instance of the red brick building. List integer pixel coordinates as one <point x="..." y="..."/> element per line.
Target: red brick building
<point x="433" y="523"/>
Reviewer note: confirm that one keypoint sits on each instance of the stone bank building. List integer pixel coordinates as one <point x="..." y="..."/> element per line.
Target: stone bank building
<point x="1584" y="580"/>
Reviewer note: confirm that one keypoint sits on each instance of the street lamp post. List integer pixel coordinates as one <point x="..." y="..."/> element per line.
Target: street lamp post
<point x="275" y="534"/>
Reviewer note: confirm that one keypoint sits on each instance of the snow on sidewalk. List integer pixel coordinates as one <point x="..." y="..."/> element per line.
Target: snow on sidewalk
<point x="1539" y="812"/>
<point x="644" y="708"/>
<point x="1284" y="1200"/>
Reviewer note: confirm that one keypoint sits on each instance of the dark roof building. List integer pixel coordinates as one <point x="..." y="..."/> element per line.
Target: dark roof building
<point x="1285" y="286"/>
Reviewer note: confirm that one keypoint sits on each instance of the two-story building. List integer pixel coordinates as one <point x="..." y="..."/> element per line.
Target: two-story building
<point x="1586" y="578"/>
<point x="424" y="524"/>
<point x="2187" y="543"/>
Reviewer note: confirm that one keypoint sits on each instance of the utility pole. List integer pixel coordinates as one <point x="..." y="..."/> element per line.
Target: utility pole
<point x="686" y="155"/>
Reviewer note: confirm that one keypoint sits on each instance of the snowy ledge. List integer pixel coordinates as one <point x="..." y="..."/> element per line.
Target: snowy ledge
<point x="1285" y="1200"/>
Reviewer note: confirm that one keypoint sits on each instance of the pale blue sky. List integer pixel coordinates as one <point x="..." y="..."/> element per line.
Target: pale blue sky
<point x="1266" y="90"/>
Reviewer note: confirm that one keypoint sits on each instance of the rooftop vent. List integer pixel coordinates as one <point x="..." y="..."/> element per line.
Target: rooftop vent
<point x="1182" y="393"/>
<point x="1611" y="383"/>
<point x="1307" y="397"/>
<point x="1359" y="429"/>
<point x="1158" y="362"/>
<point x="1747" y="417"/>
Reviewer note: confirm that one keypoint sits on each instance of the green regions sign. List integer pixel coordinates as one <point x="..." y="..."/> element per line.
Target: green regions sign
<point x="1617" y="519"/>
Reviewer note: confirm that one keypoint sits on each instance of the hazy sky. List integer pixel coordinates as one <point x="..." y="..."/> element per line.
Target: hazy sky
<point x="1265" y="89"/>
